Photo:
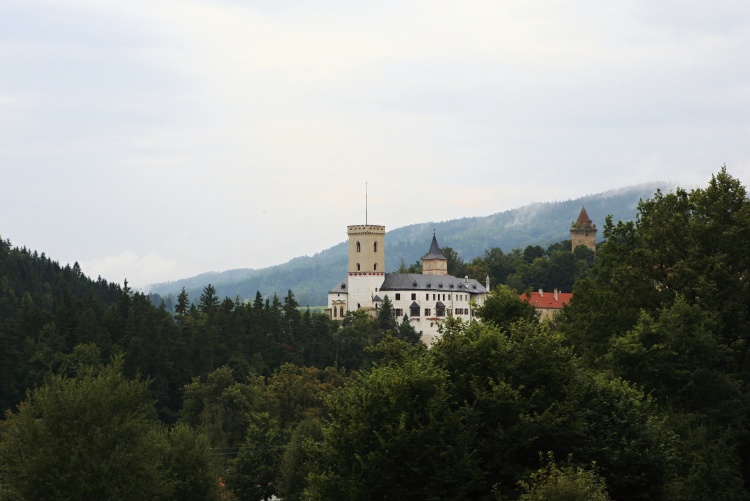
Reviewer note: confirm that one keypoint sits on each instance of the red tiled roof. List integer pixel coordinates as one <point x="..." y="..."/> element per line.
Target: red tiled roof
<point x="583" y="217"/>
<point x="546" y="300"/>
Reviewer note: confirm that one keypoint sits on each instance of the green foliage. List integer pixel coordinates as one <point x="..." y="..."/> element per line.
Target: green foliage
<point x="252" y="474"/>
<point x="297" y="459"/>
<point x="386" y="320"/>
<point x="527" y="393"/>
<point x="569" y="483"/>
<point x="709" y="463"/>
<point x="503" y="307"/>
<point x="189" y="465"/>
<point x="675" y="356"/>
<point x="456" y="265"/>
<point x="666" y="308"/>
<point x="393" y="434"/>
<point x="220" y="407"/>
<point x="95" y="437"/>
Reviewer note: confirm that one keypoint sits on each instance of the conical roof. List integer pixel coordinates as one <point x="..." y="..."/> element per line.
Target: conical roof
<point x="583" y="217"/>
<point x="435" y="252"/>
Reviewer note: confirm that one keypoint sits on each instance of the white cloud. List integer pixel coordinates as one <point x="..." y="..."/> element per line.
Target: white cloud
<point x="139" y="270"/>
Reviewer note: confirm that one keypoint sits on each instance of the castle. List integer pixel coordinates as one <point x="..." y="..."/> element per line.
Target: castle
<point x="427" y="299"/>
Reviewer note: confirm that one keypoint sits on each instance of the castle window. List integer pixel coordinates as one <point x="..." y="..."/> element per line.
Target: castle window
<point x="358" y="247"/>
<point x="398" y="312"/>
<point x="427" y="297"/>
<point x="414" y="310"/>
<point x="335" y="312"/>
<point x="398" y="296"/>
<point x="375" y="247"/>
<point x="413" y="297"/>
<point x="341" y="311"/>
<point x="375" y="267"/>
<point x="358" y="268"/>
<point x="427" y="312"/>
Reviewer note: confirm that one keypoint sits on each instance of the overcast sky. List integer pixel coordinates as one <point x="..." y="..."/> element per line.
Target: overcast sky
<point x="154" y="139"/>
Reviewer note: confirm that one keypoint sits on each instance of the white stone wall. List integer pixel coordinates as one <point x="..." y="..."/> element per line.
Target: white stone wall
<point x="456" y="303"/>
<point x="337" y="300"/>
<point x="362" y="287"/>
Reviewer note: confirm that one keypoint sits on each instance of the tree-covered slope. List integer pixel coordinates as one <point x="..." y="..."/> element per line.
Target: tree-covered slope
<point x="310" y="277"/>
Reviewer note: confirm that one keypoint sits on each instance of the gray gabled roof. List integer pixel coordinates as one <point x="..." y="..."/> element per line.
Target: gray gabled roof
<point x="340" y="288"/>
<point x="437" y="283"/>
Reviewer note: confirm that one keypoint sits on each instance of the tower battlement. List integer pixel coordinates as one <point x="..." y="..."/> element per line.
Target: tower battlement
<point x="365" y="229"/>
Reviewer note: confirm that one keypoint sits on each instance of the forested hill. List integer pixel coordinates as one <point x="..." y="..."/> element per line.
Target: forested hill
<point x="29" y="277"/>
<point x="310" y="277"/>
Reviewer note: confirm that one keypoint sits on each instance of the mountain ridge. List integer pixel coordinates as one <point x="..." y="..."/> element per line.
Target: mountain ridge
<point x="310" y="277"/>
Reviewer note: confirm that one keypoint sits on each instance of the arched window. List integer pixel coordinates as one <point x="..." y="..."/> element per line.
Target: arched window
<point x="357" y="266"/>
<point x="375" y="247"/>
<point x="335" y="312"/>
<point x="358" y="247"/>
<point x="342" y="311"/>
<point x="376" y="267"/>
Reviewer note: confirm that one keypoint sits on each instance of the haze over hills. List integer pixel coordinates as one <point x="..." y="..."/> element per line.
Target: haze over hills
<point x="310" y="277"/>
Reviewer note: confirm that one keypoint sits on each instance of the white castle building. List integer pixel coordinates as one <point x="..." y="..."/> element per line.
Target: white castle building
<point x="427" y="298"/>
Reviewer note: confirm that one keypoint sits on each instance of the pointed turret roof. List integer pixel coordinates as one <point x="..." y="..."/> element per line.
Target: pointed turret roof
<point x="435" y="252"/>
<point x="583" y="217"/>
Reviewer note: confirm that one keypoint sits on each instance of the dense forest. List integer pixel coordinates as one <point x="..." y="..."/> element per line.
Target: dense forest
<point x="638" y="390"/>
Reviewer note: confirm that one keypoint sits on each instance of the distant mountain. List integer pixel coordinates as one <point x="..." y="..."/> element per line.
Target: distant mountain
<point x="310" y="277"/>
